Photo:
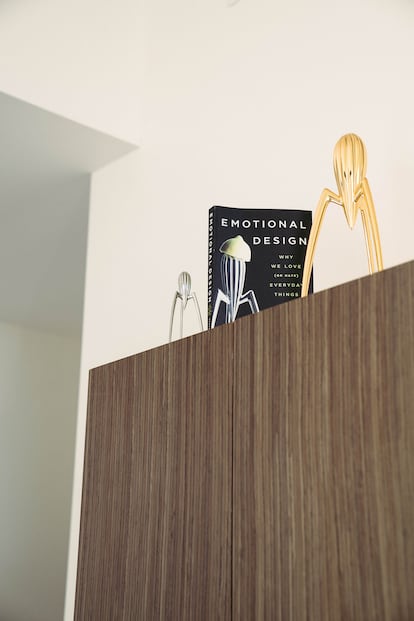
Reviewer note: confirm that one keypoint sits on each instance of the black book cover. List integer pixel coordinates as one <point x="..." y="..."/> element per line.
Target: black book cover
<point x="255" y="260"/>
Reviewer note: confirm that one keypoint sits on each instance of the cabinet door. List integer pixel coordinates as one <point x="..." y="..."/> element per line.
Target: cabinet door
<point x="324" y="456"/>
<point x="155" y="538"/>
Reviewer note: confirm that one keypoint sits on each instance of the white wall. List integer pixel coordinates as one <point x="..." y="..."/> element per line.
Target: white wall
<point x="238" y="106"/>
<point x="38" y="397"/>
<point x="80" y="59"/>
<point x="243" y="107"/>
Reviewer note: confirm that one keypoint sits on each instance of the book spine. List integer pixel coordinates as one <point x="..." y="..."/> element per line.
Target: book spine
<point x="210" y="264"/>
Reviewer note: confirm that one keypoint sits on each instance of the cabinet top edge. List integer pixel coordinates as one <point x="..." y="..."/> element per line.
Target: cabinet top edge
<point x="371" y="279"/>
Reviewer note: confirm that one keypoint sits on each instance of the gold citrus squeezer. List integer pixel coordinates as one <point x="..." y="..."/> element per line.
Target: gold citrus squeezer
<point x="354" y="195"/>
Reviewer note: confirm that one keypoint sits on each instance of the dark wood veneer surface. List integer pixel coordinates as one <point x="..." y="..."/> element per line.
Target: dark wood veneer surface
<point x="262" y="470"/>
<point x="323" y="487"/>
<point x="155" y="539"/>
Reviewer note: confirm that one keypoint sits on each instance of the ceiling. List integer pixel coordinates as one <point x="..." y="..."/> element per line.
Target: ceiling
<point x="45" y="166"/>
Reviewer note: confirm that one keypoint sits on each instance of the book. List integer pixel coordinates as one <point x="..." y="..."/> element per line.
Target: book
<point x="255" y="260"/>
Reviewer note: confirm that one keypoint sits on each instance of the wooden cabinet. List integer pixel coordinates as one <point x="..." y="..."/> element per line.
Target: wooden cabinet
<point x="262" y="470"/>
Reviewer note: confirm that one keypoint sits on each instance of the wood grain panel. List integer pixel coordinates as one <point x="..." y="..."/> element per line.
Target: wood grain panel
<point x="155" y="539"/>
<point x="323" y="483"/>
<point x="262" y="470"/>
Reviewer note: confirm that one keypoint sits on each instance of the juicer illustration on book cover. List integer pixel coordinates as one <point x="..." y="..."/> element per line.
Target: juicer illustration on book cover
<point x="235" y="254"/>
<point x="256" y="259"/>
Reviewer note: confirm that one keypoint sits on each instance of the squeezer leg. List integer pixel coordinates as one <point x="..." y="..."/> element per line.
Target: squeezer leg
<point x="250" y="297"/>
<point x="176" y="296"/>
<point x="196" y="304"/>
<point x="221" y="297"/>
<point x="371" y="230"/>
<point x="368" y="240"/>
<point x="326" y="197"/>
